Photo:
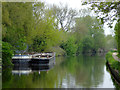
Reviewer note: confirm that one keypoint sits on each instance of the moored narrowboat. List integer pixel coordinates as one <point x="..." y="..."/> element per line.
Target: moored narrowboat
<point x="43" y="58"/>
<point x="39" y="58"/>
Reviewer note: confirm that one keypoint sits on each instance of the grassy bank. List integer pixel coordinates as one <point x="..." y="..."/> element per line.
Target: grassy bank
<point x="114" y="64"/>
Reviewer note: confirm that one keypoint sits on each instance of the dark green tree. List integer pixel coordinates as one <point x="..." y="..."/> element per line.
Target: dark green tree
<point x="117" y="35"/>
<point x="89" y="31"/>
<point x="87" y="44"/>
<point x="6" y="54"/>
<point x="17" y="23"/>
<point x="70" y="46"/>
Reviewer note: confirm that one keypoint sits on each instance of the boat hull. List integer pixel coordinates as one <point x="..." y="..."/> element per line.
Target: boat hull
<point x="20" y="61"/>
<point x="42" y="61"/>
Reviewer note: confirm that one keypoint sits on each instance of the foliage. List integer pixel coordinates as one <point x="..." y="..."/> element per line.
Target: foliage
<point x="6" y="54"/>
<point x="47" y="36"/>
<point x="80" y="29"/>
<point x="45" y="33"/>
<point x="108" y="12"/>
<point x="114" y="64"/>
<point x="64" y="16"/>
<point x="21" y="44"/>
<point x="87" y="44"/>
<point x="89" y="35"/>
<point x="18" y="25"/>
<point x="99" y="39"/>
<point x="39" y="28"/>
<point x="117" y="35"/>
<point x="104" y="10"/>
<point x="58" y="51"/>
<point x="110" y="42"/>
<point x="33" y="27"/>
<point x="69" y="46"/>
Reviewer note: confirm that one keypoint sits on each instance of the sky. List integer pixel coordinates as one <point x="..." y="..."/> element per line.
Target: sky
<point x="77" y="4"/>
<point x="71" y="3"/>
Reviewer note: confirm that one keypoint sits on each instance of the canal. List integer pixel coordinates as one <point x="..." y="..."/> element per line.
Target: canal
<point x="68" y="72"/>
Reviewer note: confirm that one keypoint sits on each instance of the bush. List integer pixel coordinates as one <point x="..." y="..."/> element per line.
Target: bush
<point x="87" y="44"/>
<point x="114" y="64"/>
<point x="69" y="46"/>
<point x="6" y="54"/>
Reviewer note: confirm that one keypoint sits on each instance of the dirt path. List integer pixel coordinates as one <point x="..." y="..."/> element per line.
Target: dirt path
<point x="115" y="56"/>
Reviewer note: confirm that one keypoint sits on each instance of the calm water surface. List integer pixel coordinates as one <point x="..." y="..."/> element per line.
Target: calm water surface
<point x="68" y="72"/>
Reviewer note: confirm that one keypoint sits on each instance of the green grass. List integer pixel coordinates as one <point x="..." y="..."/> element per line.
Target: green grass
<point x="114" y="64"/>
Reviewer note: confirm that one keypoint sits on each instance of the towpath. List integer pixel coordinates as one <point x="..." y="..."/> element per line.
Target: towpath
<point x="115" y="56"/>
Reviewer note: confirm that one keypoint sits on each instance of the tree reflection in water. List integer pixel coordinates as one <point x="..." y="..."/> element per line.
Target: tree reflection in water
<point x="69" y="72"/>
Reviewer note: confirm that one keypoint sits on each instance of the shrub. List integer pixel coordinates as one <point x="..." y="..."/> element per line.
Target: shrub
<point x="114" y="64"/>
<point x="6" y="54"/>
<point x="69" y="46"/>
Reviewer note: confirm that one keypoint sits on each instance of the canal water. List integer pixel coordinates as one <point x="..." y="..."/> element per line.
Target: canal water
<point x="68" y="72"/>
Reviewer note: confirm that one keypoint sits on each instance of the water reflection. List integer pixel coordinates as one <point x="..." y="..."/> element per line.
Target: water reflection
<point x="26" y="69"/>
<point x="68" y="72"/>
<point x="85" y="71"/>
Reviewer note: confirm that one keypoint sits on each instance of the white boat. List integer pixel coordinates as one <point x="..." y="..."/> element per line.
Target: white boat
<point x="39" y="58"/>
<point x="16" y="57"/>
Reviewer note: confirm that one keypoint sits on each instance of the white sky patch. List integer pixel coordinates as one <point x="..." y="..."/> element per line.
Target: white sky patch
<point x="109" y="30"/>
<point x="75" y="4"/>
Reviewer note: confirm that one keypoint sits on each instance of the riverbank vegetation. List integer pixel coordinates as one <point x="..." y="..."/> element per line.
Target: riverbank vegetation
<point x="114" y="63"/>
<point x="35" y="27"/>
<point x="115" y="66"/>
